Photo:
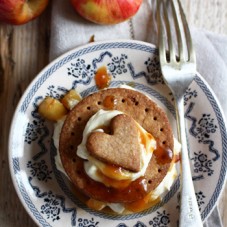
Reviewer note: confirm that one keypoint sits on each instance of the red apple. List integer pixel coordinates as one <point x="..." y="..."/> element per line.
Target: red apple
<point x="106" y="11"/>
<point x="21" y="11"/>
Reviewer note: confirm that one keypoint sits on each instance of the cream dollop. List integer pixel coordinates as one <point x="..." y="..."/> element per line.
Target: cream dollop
<point x="56" y="136"/>
<point x="103" y="118"/>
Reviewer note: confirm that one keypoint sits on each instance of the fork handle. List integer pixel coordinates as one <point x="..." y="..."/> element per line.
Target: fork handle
<point x="189" y="211"/>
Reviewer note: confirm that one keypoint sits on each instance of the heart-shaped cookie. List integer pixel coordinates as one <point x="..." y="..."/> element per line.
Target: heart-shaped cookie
<point x="121" y="147"/>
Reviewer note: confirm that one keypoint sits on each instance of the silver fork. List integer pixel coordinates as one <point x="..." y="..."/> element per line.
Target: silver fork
<point x="178" y="73"/>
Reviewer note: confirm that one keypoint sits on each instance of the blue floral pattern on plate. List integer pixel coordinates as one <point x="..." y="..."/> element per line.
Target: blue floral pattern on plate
<point x="47" y="194"/>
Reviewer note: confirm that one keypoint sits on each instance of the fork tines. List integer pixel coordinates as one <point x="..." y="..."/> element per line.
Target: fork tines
<point x="171" y="14"/>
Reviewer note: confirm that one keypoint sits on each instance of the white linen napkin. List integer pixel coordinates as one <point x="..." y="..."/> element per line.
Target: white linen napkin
<point x="69" y="30"/>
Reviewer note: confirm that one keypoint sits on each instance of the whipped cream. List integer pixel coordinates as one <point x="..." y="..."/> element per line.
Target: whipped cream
<point x="168" y="180"/>
<point x="56" y="137"/>
<point x="103" y="118"/>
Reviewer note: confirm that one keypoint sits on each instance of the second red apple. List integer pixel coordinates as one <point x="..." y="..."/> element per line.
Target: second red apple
<point x="106" y="11"/>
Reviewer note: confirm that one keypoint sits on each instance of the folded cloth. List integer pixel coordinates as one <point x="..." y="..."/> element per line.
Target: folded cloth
<point x="69" y="30"/>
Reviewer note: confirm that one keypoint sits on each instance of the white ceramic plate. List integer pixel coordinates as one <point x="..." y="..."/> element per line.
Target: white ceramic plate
<point x="45" y="192"/>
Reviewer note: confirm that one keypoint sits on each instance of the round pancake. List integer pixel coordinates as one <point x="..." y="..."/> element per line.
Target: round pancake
<point x="143" y="110"/>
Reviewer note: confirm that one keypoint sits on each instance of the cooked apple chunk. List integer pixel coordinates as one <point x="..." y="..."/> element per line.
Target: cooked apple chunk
<point x="70" y="99"/>
<point x="52" y="109"/>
